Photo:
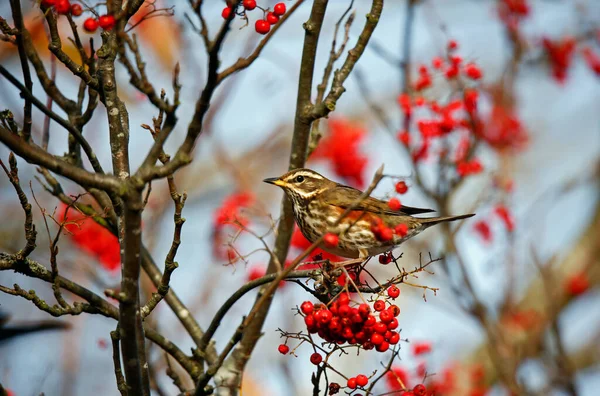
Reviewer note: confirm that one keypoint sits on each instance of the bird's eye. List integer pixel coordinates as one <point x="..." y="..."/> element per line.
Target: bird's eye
<point x="299" y="179"/>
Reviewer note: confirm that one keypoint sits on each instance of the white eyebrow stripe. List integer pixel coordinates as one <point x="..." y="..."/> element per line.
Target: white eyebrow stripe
<point x="307" y="174"/>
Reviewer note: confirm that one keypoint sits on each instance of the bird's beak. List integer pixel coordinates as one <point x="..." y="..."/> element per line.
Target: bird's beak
<point x="274" y="180"/>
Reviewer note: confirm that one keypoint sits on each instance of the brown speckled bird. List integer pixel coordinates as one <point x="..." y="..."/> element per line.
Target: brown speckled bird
<point x="319" y="202"/>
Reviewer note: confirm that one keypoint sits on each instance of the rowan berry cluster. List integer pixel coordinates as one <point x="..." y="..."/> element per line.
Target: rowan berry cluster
<point x="342" y="323"/>
<point x="90" y="25"/>
<point x="262" y="26"/>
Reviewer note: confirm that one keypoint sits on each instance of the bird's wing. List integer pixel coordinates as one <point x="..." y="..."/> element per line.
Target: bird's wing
<point x="344" y="197"/>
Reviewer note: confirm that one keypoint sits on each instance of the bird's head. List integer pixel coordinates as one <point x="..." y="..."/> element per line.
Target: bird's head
<point x="302" y="184"/>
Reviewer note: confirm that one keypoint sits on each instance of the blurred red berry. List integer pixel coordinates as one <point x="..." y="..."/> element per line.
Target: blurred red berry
<point x="106" y="22"/>
<point x="90" y="25"/>
<point x="421" y="348"/>
<point x="401" y="230"/>
<point x="437" y="63"/>
<point x="316" y="358"/>
<point x="331" y="240"/>
<point x="272" y="18"/>
<point x="249" y="5"/>
<point x="283" y="349"/>
<point x="279" y="9"/>
<point x="255" y="272"/>
<point x="577" y="284"/>
<point x="506" y="217"/>
<point x="393" y="291"/>
<point x="226" y="13"/>
<point x="262" y="27"/>
<point x="404" y="137"/>
<point x="483" y="229"/>
<point x="76" y="10"/>
<point x="62" y="6"/>
<point x="452" y="45"/>
<point x="473" y="71"/>
<point x="394" y="204"/>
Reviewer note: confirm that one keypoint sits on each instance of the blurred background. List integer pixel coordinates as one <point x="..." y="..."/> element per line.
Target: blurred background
<point x="535" y="270"/>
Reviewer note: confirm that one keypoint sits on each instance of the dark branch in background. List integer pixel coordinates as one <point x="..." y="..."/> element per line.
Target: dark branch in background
<point x="65" y="124"/>
<point x="334" y="55"/>
<point x="15" y="6"/>
<point x="121" y="385"/>
<point x="96" y="303"/>
<point x="30" y="232"/>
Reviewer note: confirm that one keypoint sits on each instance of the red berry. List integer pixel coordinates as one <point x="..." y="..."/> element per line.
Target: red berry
<point x="394" y="204"/>
<point x="384" y="346"/>
<point x="377" y="339"/>
<point x="106" y="22"/>
<point x="344" y="311"/>
<point x="323" y="316"/>
<point x="393" y="291"/>
<point x="272" y="18"/>
<point x="279" y="9"/>
<point x="307" y="307"/>
<point x="473" y="71"/>
<point x="437" y="63"/>
<point x="309" y="320"/>
<point x="370" y="321"/>
<point x="343" y="299"/>
<point x="452" y="45"/>
<point x="76" y="10"/>
<point x="262" y="27"/>
<point x="385" y="258"/>
<point x="331" y="240"/>
<point x="380" y="327"/>
<point x="48" y="3"/>
<point x="62" y="6"/>
<point x="386" y="234"/>
<point x="249" y="5"/>
<point x="226" y="13"/>
<point x="401" y="230"/>
<point x="394" y="338"/>
<point x="393" y="324"/>
<point x="283" y="349"/>
<point x="577" y="284"/>
<point x="395" y="310"/>
<point x="90" y="25"/>
<point x="364" y="310"/>
<point x="362" y="380"/>
<point x="404" y="137"/>
<point x="385" y="316"/>
<point x="316" y="358"/>
<point x="379" y="305"/>
<point x="401" y="187"/>
<point x="420" y="390"/>
<point x="352" y="383"/>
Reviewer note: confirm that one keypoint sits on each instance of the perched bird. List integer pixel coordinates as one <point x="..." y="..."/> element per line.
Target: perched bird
<point x="319" y="202"/>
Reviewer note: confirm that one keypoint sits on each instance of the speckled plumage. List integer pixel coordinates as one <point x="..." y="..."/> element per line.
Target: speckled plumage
<point x="319" y="202"/>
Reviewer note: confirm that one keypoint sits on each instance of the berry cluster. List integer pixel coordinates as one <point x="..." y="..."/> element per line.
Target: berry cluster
<point x="90" y="25"/>
<point x="384" y="233"/>
<point x="340" y="323"/>
<point x="262" y="26"/>
<point x="63" y="7"/>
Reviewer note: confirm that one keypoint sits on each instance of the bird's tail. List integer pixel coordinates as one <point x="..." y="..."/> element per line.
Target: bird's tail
<point x="436" y="220"/>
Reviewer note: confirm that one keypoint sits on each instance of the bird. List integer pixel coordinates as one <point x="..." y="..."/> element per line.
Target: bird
<point x="318" y="203"/>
